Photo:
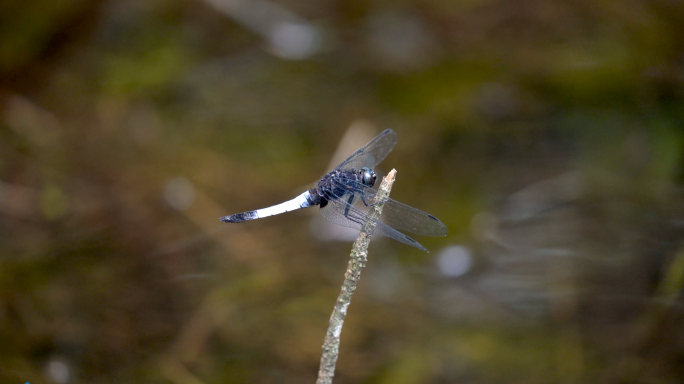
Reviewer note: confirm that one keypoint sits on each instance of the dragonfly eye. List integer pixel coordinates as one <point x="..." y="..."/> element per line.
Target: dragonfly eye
<point x="368" y="177"/>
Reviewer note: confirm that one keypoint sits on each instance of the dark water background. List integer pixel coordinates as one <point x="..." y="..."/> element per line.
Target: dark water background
<point x="547" y="135"/>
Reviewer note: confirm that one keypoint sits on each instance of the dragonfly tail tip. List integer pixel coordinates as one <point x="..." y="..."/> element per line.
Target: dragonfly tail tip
<point x="239" y="217"/>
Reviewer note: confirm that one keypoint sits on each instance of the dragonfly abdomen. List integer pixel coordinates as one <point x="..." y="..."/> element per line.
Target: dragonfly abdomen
<point x="302" y="201"/>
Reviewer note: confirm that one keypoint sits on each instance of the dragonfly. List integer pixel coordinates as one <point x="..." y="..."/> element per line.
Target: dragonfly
<point x="346" y="197"/>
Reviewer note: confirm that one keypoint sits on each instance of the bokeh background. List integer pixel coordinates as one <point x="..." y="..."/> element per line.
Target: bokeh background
<point x="546" y="134"/>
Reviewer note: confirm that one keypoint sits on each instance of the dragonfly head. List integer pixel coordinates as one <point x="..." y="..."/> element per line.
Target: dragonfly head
<point x="368" y="176"/>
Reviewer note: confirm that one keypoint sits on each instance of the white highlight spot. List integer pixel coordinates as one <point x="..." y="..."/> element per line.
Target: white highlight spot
<point x="454" y="261"/>
<point x="58" y="371"/>
<point x="294" y="41"/>
<point x="179" y="193"/>
<point x="289" y="35"/>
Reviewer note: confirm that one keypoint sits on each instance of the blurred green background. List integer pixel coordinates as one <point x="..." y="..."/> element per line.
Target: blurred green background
<point x="546" y="134"/>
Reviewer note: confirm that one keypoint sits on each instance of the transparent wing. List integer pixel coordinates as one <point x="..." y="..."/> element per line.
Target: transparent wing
<point x="401" y="216"/>
<point x="395" y="214"/>
<point x="372" y="153"/>
<point x="342" y="213"/>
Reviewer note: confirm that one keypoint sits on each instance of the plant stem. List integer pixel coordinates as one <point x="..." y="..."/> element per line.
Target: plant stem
<point x="357" y="260"/>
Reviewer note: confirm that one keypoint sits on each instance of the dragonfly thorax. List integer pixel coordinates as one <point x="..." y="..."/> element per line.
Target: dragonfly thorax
<point x="341" y="181"/>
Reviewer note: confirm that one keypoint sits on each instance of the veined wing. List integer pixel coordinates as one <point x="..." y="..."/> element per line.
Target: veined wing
<point x="372" y="153"/>
<point x="341" y="213"/>
<point x="395" y="214"/>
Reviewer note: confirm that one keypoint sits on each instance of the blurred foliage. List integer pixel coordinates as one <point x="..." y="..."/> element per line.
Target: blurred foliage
<point x="547" y="135"/>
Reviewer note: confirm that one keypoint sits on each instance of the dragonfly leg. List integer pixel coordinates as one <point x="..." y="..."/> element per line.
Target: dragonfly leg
<point x="351" y="213"/>
<point x="363" y="198"/>
<point x="349" y="202"/>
